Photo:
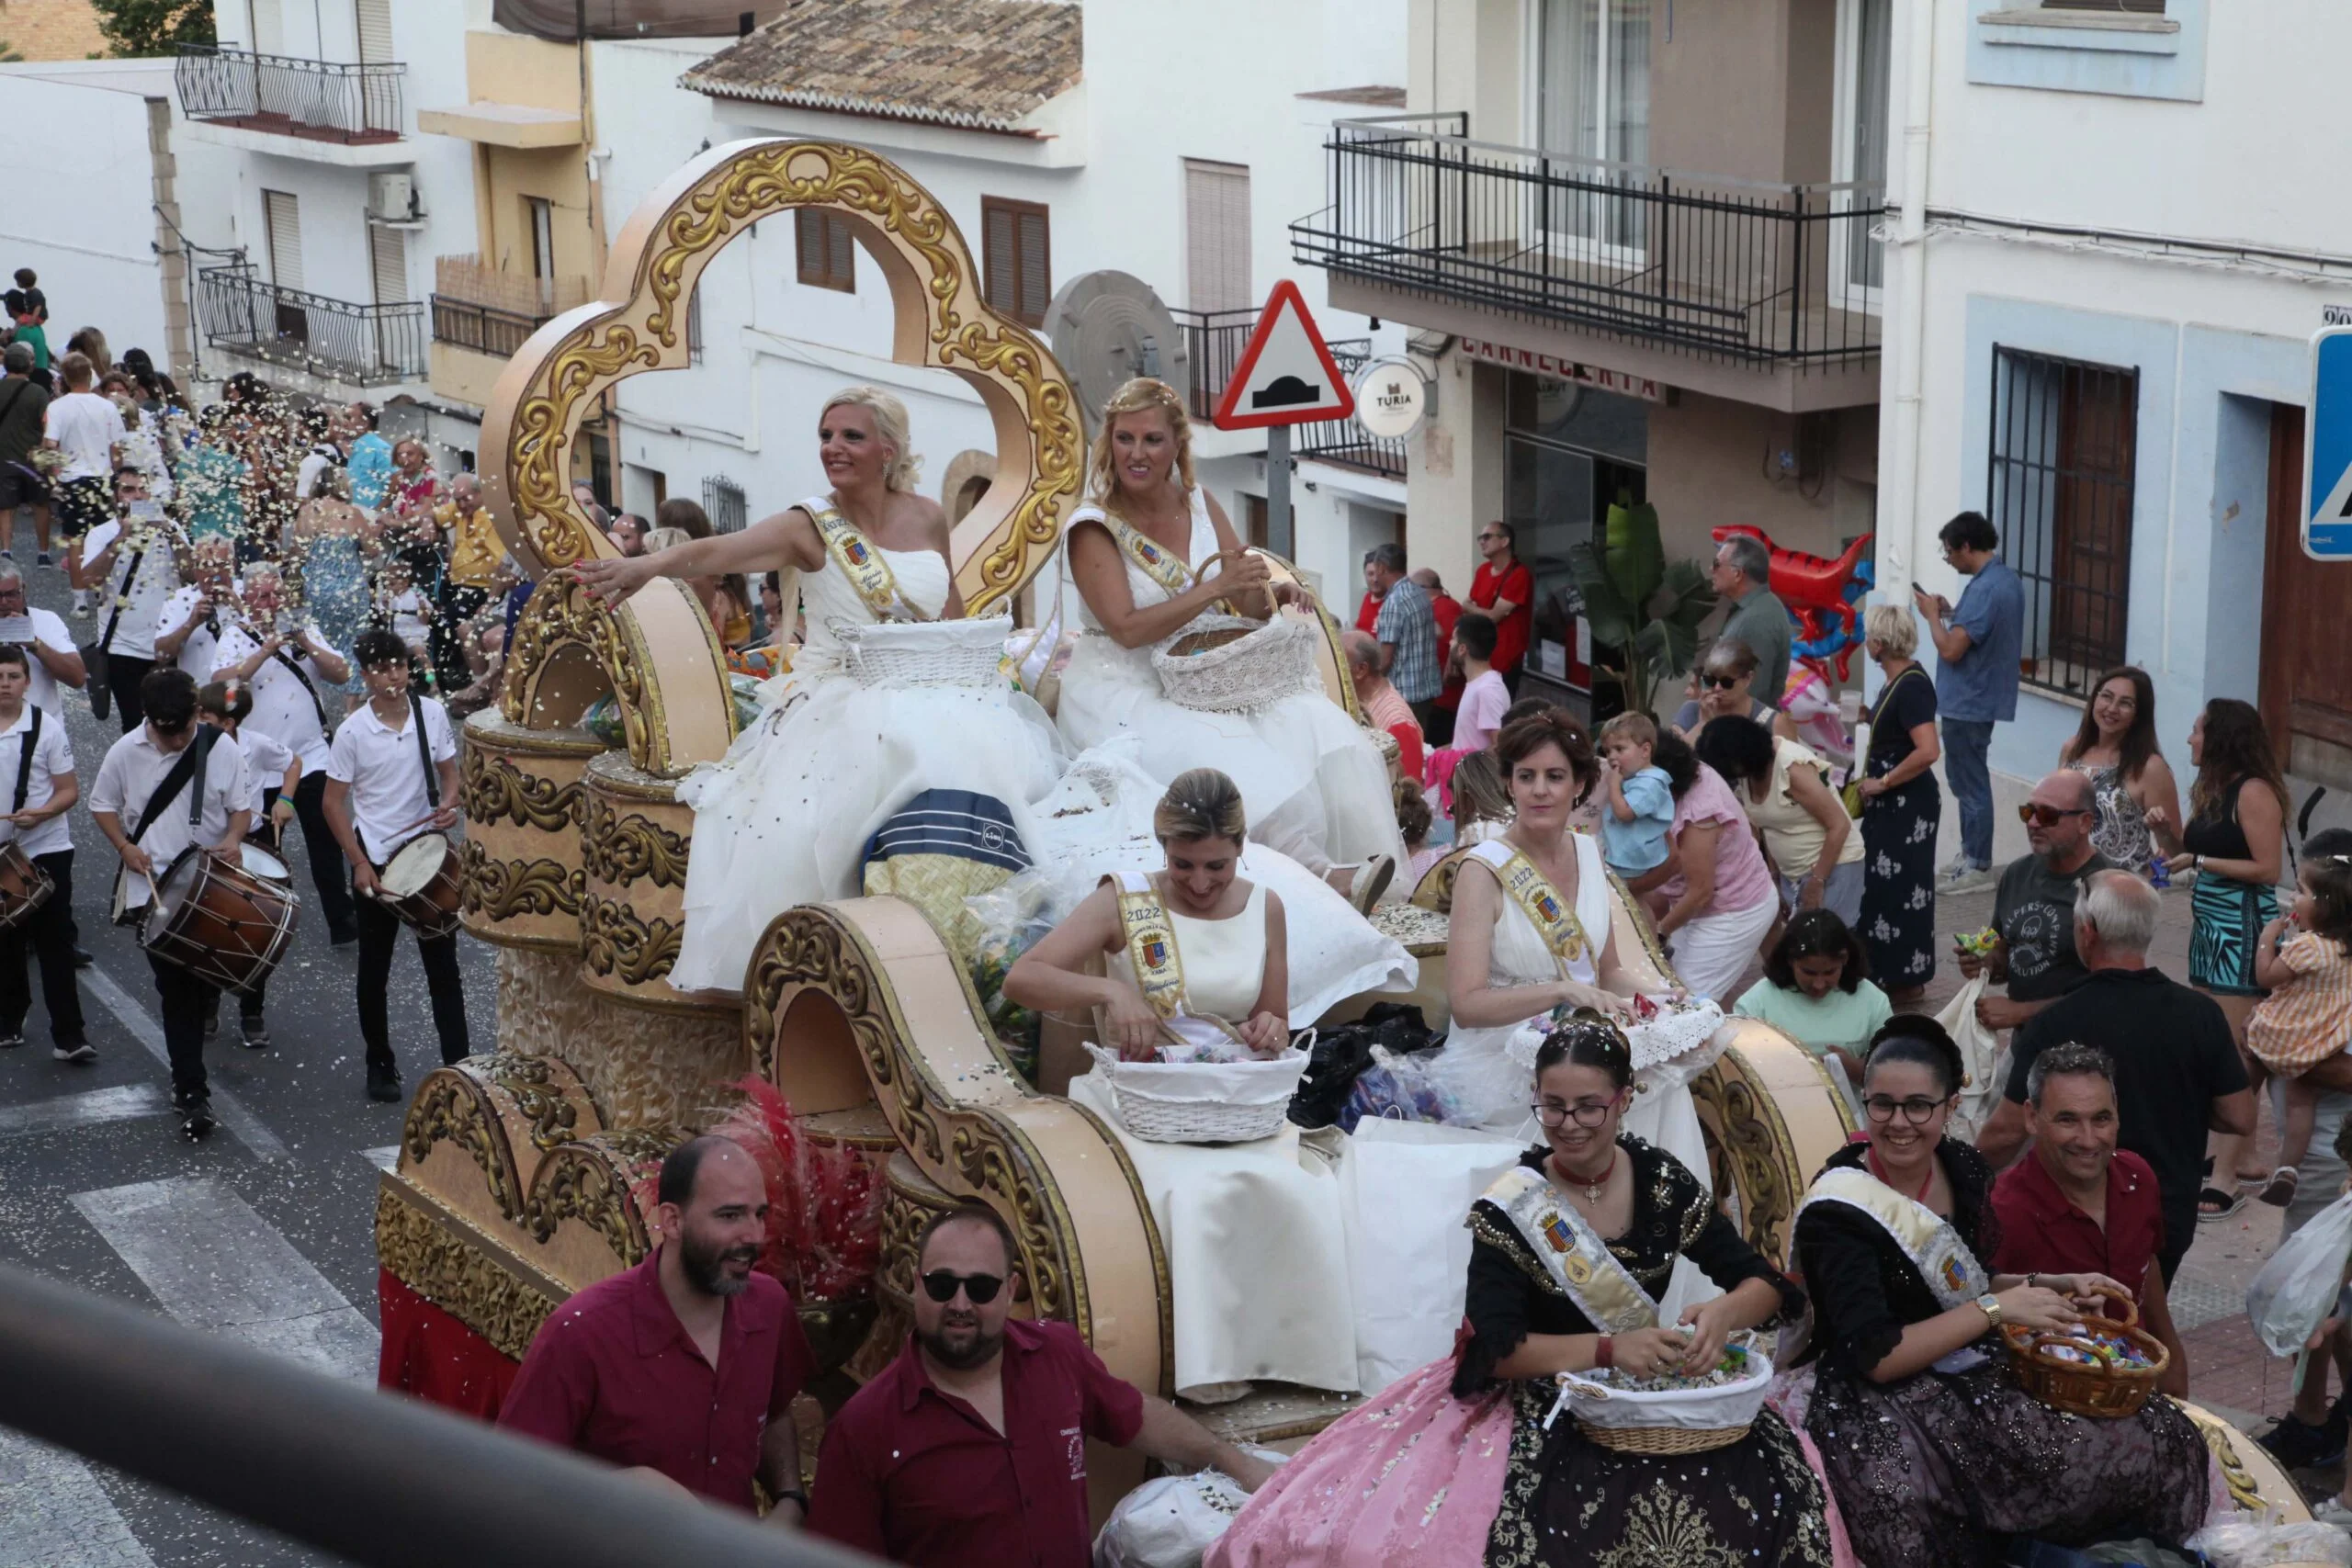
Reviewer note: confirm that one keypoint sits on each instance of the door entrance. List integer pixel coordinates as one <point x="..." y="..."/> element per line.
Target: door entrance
<point x="2306" y="679"/>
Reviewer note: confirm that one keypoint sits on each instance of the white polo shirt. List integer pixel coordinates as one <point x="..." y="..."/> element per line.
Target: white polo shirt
<point x="266" y="761"/>
<point x="50" y="627"/>
<point x="386" y="775"/>
<point x="85" y="428"/>
<point x="135" y="765"/>
<point x="52" y="756"/>
<point x="281" y="706"/>
<point x="199" y="655"/>
<point x="158" y="580"/>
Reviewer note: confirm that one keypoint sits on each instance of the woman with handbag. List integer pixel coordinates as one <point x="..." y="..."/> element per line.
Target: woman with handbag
<point x="1900" y="807"/>
<point x="1139" y="556"/>
<point x="785" y="818"/>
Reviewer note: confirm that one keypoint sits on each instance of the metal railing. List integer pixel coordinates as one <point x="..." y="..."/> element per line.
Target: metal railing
<point x="1715" y="266"/>
<point x="322" y="99"/>
<point x="1212" y="344"/>
<point x="362" y="344"/>
<point x="383" y="1480"/>
<point x="1345" y="441"/>
<point x="485" y="329"/>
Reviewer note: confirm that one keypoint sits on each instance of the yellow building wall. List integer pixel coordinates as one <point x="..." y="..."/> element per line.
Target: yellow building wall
<point x="557" y="175"/>
<point x="505" y="68"/>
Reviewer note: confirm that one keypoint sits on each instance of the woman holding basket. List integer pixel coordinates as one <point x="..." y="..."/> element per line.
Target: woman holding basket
<point x="1149" y="557"/>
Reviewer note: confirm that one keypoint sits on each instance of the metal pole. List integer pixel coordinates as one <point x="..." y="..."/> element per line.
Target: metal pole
<point x="1278" y="529"/>
<point x="384" y="1481"/>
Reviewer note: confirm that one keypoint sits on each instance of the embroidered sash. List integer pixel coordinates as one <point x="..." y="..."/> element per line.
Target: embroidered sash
<point x="862" y="564"/>
<point x="1528" y="888"/>
<point x="1157" y="563"/>
<point x="1926" y="1238"/>
<point x="1572" y="1252"/>
<point x="1151" y="943"/>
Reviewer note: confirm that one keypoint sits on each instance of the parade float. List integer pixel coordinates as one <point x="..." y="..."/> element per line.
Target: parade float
<point x="525" y="1173"/>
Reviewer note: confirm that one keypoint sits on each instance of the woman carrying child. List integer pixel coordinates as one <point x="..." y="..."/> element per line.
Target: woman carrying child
<point x="2299" y="1030"/>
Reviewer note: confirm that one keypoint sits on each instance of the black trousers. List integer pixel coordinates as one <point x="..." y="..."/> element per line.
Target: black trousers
<point x="46" y="935"/>
<point x="123" y="675"/>
<point x="187" y="1002"/>
<point x="329" y="874"/>
<point x="379" y="935"/>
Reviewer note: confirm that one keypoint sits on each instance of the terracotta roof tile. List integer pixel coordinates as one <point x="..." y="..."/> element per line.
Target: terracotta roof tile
<point x="50" y="29"/>
<point x="984" y="64"/>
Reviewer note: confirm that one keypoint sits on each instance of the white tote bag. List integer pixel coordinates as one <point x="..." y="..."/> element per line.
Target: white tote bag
<point x="1982" y="1057"/>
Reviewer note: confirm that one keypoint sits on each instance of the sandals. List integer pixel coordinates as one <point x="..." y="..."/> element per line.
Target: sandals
<point x="1372" y="880"/>
<point x="2213" y="1203"/>
<point x="2281" y="1189"/>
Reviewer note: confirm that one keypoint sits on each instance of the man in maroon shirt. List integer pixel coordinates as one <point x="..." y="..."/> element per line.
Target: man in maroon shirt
<point x="681" y="1367"/>
<point x="970" y="1448"/>
<point x="1505" y="590"/>
<point x="2077" y="1205"/>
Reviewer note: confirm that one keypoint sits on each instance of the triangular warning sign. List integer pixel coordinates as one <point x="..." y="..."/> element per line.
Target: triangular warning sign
<point x="1285" y="374"/>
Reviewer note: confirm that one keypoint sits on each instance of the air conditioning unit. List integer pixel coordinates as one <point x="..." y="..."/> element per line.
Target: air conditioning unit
<point x="391" y="197"/>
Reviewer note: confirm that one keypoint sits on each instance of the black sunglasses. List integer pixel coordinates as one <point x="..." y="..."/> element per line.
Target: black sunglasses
<point x="1722" y="683"/>
<point x="940" y="1286"/>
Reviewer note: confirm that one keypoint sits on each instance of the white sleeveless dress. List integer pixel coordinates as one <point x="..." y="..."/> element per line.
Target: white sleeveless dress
<point x="784" y="820"/>
<point x="1312" y="779"/>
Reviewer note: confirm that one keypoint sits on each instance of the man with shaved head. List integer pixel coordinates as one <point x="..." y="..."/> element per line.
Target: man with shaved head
<point x="2033" y="910"/>
<point x="1384" y="708"/>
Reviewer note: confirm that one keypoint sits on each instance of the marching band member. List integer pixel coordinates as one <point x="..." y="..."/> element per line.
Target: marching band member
<point x="166" y="785"/>
<point x="140" y="570"/>
<point x="274" y="769"/>
<point x="196" y="611"/>
<point x="393" y="774"/>
<point x="39" y="773"/>
<point x="55" y="661"/>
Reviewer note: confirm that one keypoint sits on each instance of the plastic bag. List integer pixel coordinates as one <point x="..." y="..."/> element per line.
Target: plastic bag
<point x="1170" y="1522"/>
<point x="1343" y="1053"/>
<point x="1011" y="919"/>
<point x="2294" y="1293"/>
<point x="1396" y="1089"/>
<point x="2245" y="1542"/>
<point x="1983" y="1061"/>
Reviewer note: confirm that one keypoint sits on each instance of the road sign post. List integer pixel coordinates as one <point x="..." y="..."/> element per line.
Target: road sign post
<point x="2327" y="472"/>
<point x="1285" y="376"/>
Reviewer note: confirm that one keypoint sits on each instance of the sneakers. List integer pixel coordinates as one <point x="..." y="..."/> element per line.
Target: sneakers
<point x="10" y="1041"/>
<point x="384" y="1084"/>
<point x="253" y="1034"/>
<point x="1961" y="876"/>
<point x="196" y="1119"/>
<point x="212" y="1024"/>
<point x="43" y="560"/>
<point x="80" y="1051"/>
<point x="2299" y="1445"/>
<point x="83" y="958"/>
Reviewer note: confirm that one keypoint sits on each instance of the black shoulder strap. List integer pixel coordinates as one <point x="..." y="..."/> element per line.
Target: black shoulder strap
<point x="25" y="760"/>
<point x="282" y="657"/>
<point x="424" y="751"/>
<point x="122" y="598"/>
<point x="14" y="393"/>
<point x="197" y="752"/>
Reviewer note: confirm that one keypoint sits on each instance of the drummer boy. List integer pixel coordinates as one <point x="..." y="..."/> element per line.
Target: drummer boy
<point x="380" y="794"/>
<point x="37" y="772"/>
<point x="151" y="808"/>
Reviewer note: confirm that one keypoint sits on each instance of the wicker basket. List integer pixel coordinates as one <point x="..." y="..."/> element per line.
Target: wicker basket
<point x="925" y="653"/>
<point x="2046" y="1366"/>
<point x="1206" y="1102"/>
<point x="1666" y="1421"/>
<point x="1229" y="665"/>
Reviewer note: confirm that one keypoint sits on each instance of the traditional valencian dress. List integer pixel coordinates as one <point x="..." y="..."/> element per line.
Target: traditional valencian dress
<point x="1448" y="1467"/>
<point x="784" y="820"/>
<point x="1312" y="779"/>
<point x="1939" y="1469"/>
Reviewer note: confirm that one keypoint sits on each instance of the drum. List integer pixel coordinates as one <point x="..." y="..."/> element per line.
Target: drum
<point x="260" y="862"/>
<point x="24" y="886"/>
<point x="219" y="921"/>
<point x="420" y="885"/>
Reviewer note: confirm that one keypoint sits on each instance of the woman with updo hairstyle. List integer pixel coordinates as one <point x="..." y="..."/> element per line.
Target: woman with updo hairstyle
<point x="1937" y="1457"/>
<point x="1570" y="1258"/>
<point x="1148" y="556"/>
<point x="785" y="818"/>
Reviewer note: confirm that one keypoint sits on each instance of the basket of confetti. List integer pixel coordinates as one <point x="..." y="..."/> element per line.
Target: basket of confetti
<point x="1224" y="664"/>
<point x="1680" y="1414"/>
<point x="2106" y="1368"/>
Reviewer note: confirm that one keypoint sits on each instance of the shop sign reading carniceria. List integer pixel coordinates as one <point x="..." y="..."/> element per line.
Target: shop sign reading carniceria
<point x="1564" y="369"/>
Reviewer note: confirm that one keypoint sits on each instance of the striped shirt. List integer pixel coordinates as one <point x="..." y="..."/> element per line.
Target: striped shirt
<point x="2308" y="1020"/>
<point x="1409" y="624"/>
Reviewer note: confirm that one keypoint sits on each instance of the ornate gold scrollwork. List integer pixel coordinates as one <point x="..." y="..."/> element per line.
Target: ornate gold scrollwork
<point x="493" y="789"/>
<point x="619" y="848"/>
<point x="613" y="940"/>
<point x="450" y="1108"/>
<point x="1753" y="1146"/>
<point x="502" y="890"/>
<point x="561" y="618"/>
<point x="457" y="1277"/>
<point x="588" y="1181"/>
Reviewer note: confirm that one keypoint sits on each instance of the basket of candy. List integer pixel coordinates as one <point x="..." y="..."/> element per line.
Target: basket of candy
<point x="2107" y="1366"/>
<point x="1198" y="1098"/>
<point x="1681" y="1414"/>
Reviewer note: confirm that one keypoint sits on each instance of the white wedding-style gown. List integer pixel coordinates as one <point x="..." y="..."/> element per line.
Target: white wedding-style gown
<point x="1312" y="779"/>
<point x="784" y="820"/>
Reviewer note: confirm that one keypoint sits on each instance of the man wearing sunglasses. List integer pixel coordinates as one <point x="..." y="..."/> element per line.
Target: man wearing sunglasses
<point x="970" y="1448"/>
<point x="2033" y="909"/>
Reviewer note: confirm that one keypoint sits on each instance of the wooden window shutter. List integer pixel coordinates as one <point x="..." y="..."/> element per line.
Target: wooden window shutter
<point x="375" y="20"/>
<point x="388" y="253"/>
<point x="823" y="251"/>
<point x="842" y="254"/>
<point x="809" y="245"/>
<point x="1017" y="258"/>
<point x="1036" y="276"/>
<point x="1217" y="236"/>
<point x="282" y="227"/>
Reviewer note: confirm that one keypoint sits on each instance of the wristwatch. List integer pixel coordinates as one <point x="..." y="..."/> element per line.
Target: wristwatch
<point x="1990" y="1305"/>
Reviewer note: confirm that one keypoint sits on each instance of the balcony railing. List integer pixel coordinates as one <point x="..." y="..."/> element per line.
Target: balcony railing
<point x="1212" y="344"/>
<point x="317" y="100"/>
<point x="1345" y="441"/>
<point x="480" y="307"/>
<point x="1714" y="267"/>
<point x="361" y="345"/>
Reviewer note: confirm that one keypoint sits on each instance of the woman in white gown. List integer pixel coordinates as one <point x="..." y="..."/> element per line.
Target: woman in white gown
<point x="1313" y="778"/>
<point x="785" y="818"/>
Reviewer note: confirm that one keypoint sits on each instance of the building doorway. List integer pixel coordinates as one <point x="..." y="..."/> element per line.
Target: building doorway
<point x="1571" y="452"/>
<point x="2306" y="687"/>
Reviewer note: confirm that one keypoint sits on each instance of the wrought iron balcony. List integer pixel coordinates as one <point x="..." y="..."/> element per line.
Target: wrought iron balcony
<point x="364" y="346"/>
<point x="1212" y="344"/>
<point x="316" y="100"/>
<point x="1718" y="268"/>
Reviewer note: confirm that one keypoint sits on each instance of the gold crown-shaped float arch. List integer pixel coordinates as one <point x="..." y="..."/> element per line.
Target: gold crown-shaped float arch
<point x="657" y="654"/>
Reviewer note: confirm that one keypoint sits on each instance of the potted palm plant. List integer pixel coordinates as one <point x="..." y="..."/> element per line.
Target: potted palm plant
<point x="1644" y="609"/>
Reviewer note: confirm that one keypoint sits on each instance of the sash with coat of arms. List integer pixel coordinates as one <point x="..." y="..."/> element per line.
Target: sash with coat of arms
<point x="1540" y="902"/>
<point x="1926" y="1238"/>
<point x="1151" y="942"/>
<point x="862" y="564"/>
<point x="1572" y="1252"/>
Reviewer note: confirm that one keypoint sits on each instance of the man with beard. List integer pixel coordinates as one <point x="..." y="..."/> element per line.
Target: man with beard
<point x="971" y="1446"/>
<point x="682" y="1367"/>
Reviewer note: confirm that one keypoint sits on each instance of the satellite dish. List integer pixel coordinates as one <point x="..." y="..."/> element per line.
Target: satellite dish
<point x="1108" y="328"/>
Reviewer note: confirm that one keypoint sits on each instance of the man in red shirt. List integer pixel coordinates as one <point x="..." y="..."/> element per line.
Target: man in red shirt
<point x="2077" y="1205"/>
<point x="1505" y="590"/>
<point x="970" y="1448"/>
<point x="683" y="1365"/>
<point x="1447" y="611"/>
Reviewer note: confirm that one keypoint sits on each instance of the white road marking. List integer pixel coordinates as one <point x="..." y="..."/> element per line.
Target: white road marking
<point x="226" y="1107"/>
<point x="217" y="1266"/>
<point x="66" y="1111"/>
<point x="382" y="1159"/>
<point x="56" y="1513"/>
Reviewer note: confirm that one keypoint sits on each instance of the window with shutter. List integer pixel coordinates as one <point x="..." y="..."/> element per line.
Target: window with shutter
<point x="1217" y="235"/>
<point x="282" y="227"/>
<point x="826" y="255"/>
<point x="1017" y="258"/>
<point x="2135" y="7"/>
<point x="375" y="22"/>
<point x="388" y="252"/>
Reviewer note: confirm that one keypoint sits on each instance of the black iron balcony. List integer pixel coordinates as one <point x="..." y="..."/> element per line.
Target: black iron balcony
<point x="1345" y="441"/>
<point x="485" y="329"/>
<point x="364" y="346"/>
<point x="1212" y="344"/>
<point x="1713" y="266"/>
<point x="316" y="100"/>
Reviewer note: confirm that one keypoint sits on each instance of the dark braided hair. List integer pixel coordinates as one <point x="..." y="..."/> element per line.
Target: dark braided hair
<point x="1914" y="1037"/>
<point x="1588" y="1040"/>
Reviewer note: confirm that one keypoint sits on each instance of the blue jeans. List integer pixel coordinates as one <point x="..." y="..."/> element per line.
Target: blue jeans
<point x="1966" y="740"/>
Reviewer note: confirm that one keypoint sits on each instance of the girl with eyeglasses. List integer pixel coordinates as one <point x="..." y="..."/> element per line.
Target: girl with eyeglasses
<point x="1937" y="1457"/>
<point x="1572" y="1254"/>
<point x="1817" y="990"/>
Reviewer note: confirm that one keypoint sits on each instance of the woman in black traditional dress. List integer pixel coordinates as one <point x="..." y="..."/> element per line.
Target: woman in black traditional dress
<point x="1901" y="807"/>
<point x="1938" y="1457"/>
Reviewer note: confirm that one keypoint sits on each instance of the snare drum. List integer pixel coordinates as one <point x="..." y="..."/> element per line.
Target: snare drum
<point x="219" y="921"/>
<point x="420" y="884"/>
<point x="264" y="864"/>
<point x="23" y="885"/>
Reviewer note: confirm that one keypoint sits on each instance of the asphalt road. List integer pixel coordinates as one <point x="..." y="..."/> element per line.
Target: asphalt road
<point x="261" y="1233"/>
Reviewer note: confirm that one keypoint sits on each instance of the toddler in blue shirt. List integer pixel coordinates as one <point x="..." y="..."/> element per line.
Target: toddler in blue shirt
<point x="1638" y="805"/>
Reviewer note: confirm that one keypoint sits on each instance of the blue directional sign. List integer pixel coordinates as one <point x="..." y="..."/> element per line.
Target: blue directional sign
<point x="2327" y="484"/>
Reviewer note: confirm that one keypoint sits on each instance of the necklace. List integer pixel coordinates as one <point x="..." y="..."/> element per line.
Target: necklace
<point x="1592" y="1185"/>
<point x="1880" y="1171"/>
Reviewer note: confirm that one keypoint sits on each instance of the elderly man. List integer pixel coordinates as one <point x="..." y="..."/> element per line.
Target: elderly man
<point x="1382" y="708"/>
<point x="1407" y="628"/>
<point x="1977" y="645"/>
<point x="1743" y="577"/>
<point x="2077" y="1205"/>
<point x="47" y="640"/>
<point x="967" y="1448"/>
<point x="2033" y="911"/>
<point x="189" y="634"/>
<point x="2176" y="1071"/>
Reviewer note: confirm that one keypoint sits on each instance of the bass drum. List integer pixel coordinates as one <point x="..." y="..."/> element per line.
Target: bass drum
<point x="219" y="921"/>
<point x="24" y="886"/>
